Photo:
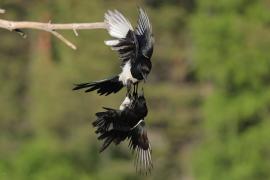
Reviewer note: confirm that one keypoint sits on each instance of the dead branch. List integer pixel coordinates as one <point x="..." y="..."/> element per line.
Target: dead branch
<point x="50" y="27"/>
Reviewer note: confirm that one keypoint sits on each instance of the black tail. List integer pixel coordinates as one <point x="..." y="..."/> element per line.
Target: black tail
<point x="104" y="120"/>
<point x="112" y="119"/>
<point x="106" y="86"/>
<point x="107" y="138"/>
<point x="102" y="124"/>
<point x="106" y="125"/>
<point x="111" y="136"/>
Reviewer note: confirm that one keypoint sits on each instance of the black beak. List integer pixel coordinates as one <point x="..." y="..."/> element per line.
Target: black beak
<point x="144" y="77"/>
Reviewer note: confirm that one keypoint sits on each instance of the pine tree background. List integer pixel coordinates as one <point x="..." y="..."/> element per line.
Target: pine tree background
<point x="208" y="94"/>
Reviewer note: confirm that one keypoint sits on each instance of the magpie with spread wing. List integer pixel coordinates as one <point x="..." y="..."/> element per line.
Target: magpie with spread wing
<point x="127" y="123"/>
<point x="135" y="49"/>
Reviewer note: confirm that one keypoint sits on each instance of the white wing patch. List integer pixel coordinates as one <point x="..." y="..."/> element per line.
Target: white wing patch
<point x="111" y="42"/>
<point x="143" y="160"/>
<point x="143" y="23"/>
<point x="118" y="25"/>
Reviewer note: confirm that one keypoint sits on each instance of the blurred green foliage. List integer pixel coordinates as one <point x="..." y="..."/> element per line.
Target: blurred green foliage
<point x="207" y="94"/>
<point x="231" y="41"/>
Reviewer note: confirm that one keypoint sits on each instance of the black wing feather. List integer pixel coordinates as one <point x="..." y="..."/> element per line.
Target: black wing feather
<point x="139" y="144"/>
<point x="125" y="43"/>
<point x="144" y="34"/>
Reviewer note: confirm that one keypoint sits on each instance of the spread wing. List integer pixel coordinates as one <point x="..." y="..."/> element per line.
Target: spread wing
<point x="144" y="34"/>
<point x="140" y="144"/>
<point x="120" y="28"/>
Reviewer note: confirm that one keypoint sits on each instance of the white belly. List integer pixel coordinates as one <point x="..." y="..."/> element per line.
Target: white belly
<point x="125" y="75"/>
<point x="125" y="103"/>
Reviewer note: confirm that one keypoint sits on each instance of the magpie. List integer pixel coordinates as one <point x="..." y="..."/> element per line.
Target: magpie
<point x="135" y="49"/>
<point x="116" y="126"/>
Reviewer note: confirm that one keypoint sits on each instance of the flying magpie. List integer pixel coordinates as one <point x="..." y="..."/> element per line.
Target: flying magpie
<point x="135" y="49"/>
<point x="115" y="126"/>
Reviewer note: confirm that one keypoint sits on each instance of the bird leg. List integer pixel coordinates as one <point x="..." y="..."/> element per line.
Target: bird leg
<point x="135" y="89"/>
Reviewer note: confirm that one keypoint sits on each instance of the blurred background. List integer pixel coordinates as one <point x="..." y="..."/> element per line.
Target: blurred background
<point x="208" y="93"/>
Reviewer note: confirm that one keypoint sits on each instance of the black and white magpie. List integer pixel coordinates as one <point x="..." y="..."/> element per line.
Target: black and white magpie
<point x="135" y="49"/>
<point x="114" y="125"/>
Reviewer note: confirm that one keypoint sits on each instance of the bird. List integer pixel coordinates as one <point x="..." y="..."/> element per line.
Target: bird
<point x="135" y="49"/>
<point x="127" y="122"/>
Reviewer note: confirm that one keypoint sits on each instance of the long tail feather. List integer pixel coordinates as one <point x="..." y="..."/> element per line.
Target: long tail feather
<point x="103" y="87"/>
<point x="109" y="139"/>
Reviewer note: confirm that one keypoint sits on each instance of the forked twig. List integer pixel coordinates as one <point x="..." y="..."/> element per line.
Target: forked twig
<point x="51" y="28"/>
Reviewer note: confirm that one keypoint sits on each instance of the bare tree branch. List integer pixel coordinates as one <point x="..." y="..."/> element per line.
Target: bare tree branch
<point x="59" y="36"/>
<point x="49" y="27"/>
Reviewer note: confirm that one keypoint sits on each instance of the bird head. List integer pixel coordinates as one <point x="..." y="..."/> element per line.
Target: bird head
<point x="145" y="69"/>
<point x="147" y="52"/>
